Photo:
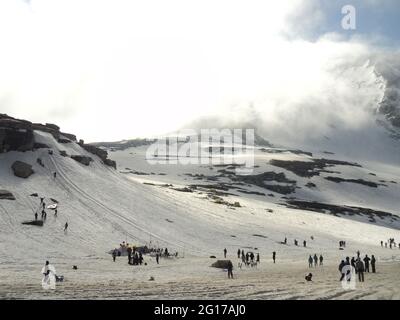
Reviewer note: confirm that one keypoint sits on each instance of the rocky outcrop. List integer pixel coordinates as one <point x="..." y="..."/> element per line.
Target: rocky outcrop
<point x="17" y="135"/>
<point x="6" y="195"/>
<point x="110" y="163"/>
<point x="22" y="169"/>
<point x="83" y="159"/>
<point x="69" y="136"/>
<point x="102" y="154"/>
<point x="62" y="140"/>
<point x="221" y="264"/>
<point x="38" y="145"/>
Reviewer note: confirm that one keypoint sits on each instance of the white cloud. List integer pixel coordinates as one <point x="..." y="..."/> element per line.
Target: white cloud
<point x="117" y="69"/>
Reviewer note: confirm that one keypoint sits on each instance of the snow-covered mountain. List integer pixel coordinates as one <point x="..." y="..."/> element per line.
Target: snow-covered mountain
<point x="195" y="209"/>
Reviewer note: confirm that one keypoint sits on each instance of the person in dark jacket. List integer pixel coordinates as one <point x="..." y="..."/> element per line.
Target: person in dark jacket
<point x="273" y="256"/>
<point x="366" y="263"/>
<point x="258" y="258"/>
<point x="230" y="268"/>
<point x="304" y="243"/>
<point x="129" y="250"/>
<point x="36" y="216"/>
<point x="310" y="262"/>
<point x="157" y="258"/>
<point x="238" y="253"/>
<point x="114" y="254"/>
<point x="373" y="261"/>
<point x="321" y="260"/>
<point x="225" y="251"/>
<point x="360" y="270"/>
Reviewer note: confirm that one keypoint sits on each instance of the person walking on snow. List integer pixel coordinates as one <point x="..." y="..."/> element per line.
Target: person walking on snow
<point x="366" y="263"/>
<point x="66" y="227"/>
<point x="315" y="260"/>
<point x="238" y="253"/>
<point x="373" y="261"/>
<point x="360" y="270"/>
<point x="321" y="260"/>
<point x="114" y="254"/>
<point x="230" y="268"/>
<point x="273" y="256"/>
<point x="36" y="216"/>
<point x="225" y="251"/>
<point x="310" y="261"/>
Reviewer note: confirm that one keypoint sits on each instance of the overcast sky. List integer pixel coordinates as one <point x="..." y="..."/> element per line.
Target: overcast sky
<point x="112" y="70"/>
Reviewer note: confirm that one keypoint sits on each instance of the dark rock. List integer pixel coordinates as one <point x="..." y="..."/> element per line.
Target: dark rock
<point x="15" y="135"/>
<point x="62" y="140"/>
<point x="110" y="163"/>
<point x="308" y="169"/>
<point x="83" y="159"/>
<point x="341" y="210"/>
<point x="221" y="264"/>
<point x="69" y="136"/>
<point x="38" y="223"/>
<point x="34" y="195"/>
<point x="38" y="145"/>
<point x="63" y="153"/>
<point x="213" y="257"/>
<point x="357" y="181"/>
<point x="22" y="169"/>
<point x="311" y="185"/>
<point x="6" y="195"/>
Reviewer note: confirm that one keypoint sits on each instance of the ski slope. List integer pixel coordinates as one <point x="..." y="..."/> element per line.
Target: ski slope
<point x="104" y="207"/>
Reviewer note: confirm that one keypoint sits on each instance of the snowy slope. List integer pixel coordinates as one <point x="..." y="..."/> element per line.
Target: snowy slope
<point x="104" y="207"/>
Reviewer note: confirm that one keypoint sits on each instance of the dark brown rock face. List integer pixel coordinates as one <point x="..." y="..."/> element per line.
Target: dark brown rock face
<point x="15" y="135"/>
<point x="6" y="195"/>
<point x="83" y="159"/>
<point x="22" y="169"/>
<point x="102" y="154"/>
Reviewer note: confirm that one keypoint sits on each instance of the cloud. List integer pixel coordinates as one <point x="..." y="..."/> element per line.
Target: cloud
<point x="109" y="70"/>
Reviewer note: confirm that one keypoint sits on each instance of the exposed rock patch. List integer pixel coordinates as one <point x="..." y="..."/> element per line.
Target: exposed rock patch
<point x="308" y="169"/>
<point x="83" y="159"/>
<point x="6" y="195"/>
<point x="22" y="169"/>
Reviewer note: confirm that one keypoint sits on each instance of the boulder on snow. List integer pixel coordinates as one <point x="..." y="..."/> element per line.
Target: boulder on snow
<point x="221" y="264"/>
<point x="110" y="163"/>
<point x="22" y="169"/>
<point x="63" y="153"/>
<point x="62" y="140"/>
<point x="38" y="145"/>
<point x="83" y="159"/>
<point x="6" y="195"/>
<point x="38" y="223"/>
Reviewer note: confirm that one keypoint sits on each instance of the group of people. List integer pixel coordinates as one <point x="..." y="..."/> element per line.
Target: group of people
<point x="248" y="259"/>
<point x="313" y="261"/>
<point x="360" y="266"/>
<point x="135" y="254"/>
<point x="391" y="243"/>
<point x="296" y="242"/>
<point x="42" y="207"/>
